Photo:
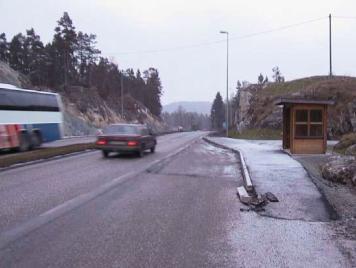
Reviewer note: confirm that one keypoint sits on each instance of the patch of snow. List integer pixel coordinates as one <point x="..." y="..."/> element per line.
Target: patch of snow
<point x="7" y="86"/>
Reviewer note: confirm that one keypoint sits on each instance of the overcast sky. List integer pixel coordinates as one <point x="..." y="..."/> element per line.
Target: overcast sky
<point x="181" y="37"/>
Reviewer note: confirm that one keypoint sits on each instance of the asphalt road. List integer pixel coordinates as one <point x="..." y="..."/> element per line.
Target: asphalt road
<point x="28" y="191"/>
<point x="168" y="216"/>
<point x="175" y="208"/>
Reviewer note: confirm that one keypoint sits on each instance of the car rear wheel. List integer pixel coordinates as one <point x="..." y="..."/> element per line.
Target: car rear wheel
<point x="140" y="153"/>
<point x="105" y="154"/>
<point x="153" y="149"/>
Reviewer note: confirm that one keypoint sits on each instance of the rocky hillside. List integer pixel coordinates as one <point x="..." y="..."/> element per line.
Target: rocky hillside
<point x="84" y="110"/>
<point x="256" y="108"/>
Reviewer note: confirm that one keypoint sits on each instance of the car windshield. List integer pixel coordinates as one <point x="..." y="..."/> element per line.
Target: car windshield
<point x="121" y="129"/>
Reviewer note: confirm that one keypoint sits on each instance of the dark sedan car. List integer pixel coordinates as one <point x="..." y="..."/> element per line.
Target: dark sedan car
<point x="124" y="138"/>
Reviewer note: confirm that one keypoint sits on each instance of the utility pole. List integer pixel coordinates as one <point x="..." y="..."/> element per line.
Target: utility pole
<point x="330" y="51"/>
<point x="65" y="69"/>
<point x="227" y="82"/>
<point x="122" y="94"/>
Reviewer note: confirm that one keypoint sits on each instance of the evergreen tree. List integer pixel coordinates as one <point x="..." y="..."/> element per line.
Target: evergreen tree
<point x="36" y="59"/>
<point x="72" y="58"/>
<point x="217" y="113"/>
<point x="16" y="49"/>
<point x="153" y="91"/>
<point x="64" y="44"/>
<point x="4" y="48"/>
<point x="138" y="86"/>
<point x="87" y="55"/>
<point x="260" y="79"/>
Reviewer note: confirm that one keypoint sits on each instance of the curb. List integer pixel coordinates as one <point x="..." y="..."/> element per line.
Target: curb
<point x="245" y="173"/>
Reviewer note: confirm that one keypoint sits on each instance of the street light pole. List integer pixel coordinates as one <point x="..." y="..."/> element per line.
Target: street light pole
<point x="122" y="94"/>
<point x="330" y="53"/>
<point x="227" y="82"/>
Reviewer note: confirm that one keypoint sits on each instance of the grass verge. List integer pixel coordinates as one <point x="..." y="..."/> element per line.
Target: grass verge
<point x="44" y="153"/>
<point x="257" y="134"/>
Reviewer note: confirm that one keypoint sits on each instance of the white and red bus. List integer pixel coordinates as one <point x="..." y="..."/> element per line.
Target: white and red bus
<point x="28" y="117"/>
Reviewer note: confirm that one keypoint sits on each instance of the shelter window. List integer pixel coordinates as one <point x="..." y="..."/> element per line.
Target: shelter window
<point x="309" y="123"/>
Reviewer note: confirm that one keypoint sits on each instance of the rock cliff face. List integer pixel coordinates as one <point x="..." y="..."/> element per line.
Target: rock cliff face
<point x="256" y="107"/>
<point x="85" y="110"/>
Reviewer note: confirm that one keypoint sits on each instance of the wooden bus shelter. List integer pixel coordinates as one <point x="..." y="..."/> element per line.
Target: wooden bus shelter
<point x="304" y="125"/>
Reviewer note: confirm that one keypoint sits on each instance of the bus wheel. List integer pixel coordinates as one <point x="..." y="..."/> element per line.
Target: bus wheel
<point x="24" y="142"/>
<point x="36" y="140"/>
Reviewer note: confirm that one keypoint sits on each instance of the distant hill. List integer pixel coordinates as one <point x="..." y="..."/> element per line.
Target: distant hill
<point x="189" y="106"/>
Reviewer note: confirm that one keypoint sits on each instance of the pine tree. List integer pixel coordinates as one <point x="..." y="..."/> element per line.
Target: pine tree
<point x="16" y="49"/>
<point x="4" y="48"/>
<point x="260" y="79"/>
<point x="72" y="58"/>
<point x="217" y="114"/>
<point x="36" y="58"/>
<point x="137" y="90"/>
<point x="153" y="91"/>
<point x="86" y="54"/>
<point x="64" y="43"/>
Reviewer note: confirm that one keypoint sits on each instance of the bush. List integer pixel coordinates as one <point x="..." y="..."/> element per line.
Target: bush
<point x="345" y="142"/>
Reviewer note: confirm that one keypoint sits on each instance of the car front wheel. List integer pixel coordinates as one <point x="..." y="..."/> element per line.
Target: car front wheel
<point x="153" y="149"/>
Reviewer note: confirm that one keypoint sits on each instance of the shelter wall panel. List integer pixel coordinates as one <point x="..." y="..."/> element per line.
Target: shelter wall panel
<point x="308" y="146"/>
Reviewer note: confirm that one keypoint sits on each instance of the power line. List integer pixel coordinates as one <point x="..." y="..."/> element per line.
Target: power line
<point x="345" y="17"/>
<point x="282" y="28"/>
<point x="204" y="44"/>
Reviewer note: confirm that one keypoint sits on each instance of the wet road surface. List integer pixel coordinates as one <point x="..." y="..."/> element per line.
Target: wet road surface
<point x="85" y="211"/>
<point x="28" y="191"/>
<point x="176" y="215"/>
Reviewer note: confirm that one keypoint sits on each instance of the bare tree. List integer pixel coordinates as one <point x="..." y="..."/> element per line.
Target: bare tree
<point x="277" y="75"/>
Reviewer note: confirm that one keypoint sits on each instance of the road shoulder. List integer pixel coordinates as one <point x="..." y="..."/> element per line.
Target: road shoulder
<point x="341" y="197"/>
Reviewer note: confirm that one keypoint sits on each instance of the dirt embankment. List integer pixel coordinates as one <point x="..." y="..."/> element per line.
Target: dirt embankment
<point x="256" y="108"/>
